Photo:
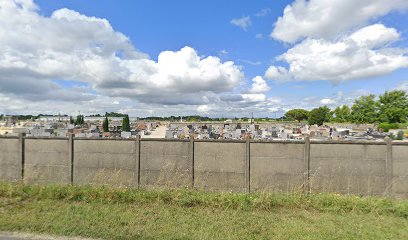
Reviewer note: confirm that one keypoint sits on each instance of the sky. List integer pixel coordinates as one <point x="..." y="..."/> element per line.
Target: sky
<point x="210" y="58"/>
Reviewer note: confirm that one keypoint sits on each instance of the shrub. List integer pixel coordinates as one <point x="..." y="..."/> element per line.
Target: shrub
<point x="400" y="135"/>
<point x="387" y="126"/>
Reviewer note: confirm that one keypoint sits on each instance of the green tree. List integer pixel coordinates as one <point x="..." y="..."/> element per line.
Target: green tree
<point x="114" y="114"/>
<point x="364" y="110"/>
<point x="79" y="120"/>
<point x="126" y="124"/>
<point x="297" y="114"/>
<point x="393" y="107"/>
<point x="341" y="114"/>
<point x="71" y="120"/>
<point x="105" y="125"/>
<point x="319" y="115"/>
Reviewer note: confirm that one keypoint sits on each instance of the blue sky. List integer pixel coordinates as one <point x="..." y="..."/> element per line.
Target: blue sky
<point x="207" y="27"/>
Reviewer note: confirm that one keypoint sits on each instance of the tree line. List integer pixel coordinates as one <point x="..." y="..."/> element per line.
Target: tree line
<point x="389" y="108"/>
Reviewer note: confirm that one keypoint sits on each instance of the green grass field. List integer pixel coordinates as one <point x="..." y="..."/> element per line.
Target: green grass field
<point x="183" y="214"/>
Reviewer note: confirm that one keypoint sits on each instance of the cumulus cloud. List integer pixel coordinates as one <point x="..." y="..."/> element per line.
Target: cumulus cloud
<point x="328" y="19"/>
<point x="243" y="22"/>
<point x="70" y="46"/>
<point x="364" y="53"/>
<point x="259" y="85"/>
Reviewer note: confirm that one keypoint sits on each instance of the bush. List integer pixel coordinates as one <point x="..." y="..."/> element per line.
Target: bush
<point x="400" y="135"/>
<point x="387" y="126"/>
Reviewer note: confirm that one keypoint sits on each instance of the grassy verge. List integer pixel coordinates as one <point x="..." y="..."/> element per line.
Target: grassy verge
<point x="182" y="214"/>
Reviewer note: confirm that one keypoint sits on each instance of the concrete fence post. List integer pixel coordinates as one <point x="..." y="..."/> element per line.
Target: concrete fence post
<point x="138" y="149"/>
<point x="21" y="153"/>
<point x="191" y="157"/>
<point x="388" y="167"/>
<point x="71" y="155"/>
<point x="247" y="166"/>
<point x="306" y="185"/>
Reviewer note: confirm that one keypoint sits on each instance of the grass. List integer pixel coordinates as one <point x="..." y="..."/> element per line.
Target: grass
<point x="120" y="213"/>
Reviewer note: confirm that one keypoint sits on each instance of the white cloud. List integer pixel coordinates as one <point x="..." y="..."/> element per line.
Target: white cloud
<point x="365" y="53"/>
<point x="70" y="46"/>
<point x="243" y="22"/>
<point x="253" y="63"/>
<point x="328" y="19"/>
<point x="259" y="85"/>
<point x="373" y="36"/>
<point x="274" y="109"/>
<point x="277" y="73"/>
<point x="327" y="101"/>
<point x="263" y="12"/>
<point x="254" y="97"/>
<point x="223" y="52"/>
<point x="203" y="109"/>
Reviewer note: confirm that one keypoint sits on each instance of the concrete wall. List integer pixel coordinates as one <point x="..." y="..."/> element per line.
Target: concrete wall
<point x="166" y="164"/>
<point x="400" y="171"/>
<point x="278" y="167"/>
<point x="10" y="162"/>
<point x="348" y="168"/>
<point x="363" y="168"/>
<point x="47" y="161"/>
<point x="111" y="162"/>
<point x="220" y="166"/>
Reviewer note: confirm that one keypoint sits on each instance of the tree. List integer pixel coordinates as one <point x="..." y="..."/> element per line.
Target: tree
<point x="105" y="125"/>
<point x="364" y="110"/>
<point x="297" y="114"/>
<point x="71" y="120"/>
<point x="125" y="124"/>
<point x="319" y="115"/>
<point x="341" y="114"/>
<point x="114" y="114"/>
<point x="393" y="107"/>
<point x="79" y="120"/>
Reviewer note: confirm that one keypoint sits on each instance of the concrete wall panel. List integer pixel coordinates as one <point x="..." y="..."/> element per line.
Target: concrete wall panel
<point x="165" y="164"/>
<point x="277" y="167"/>
<point x="105" y="162"/>
<point x="10" y="163"/>
<point x="219" y="166"/>
<point x="348" y="168"/>
<point x="400" y="171"/>
<point x="47" y="161"/>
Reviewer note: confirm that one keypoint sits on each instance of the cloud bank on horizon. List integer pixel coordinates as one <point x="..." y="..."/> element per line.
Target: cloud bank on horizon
<point x="69" y="61"/>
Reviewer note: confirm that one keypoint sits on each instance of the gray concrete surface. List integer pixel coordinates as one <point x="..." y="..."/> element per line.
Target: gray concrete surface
<point x="277" y="167"/>
<point x="400" y="171"/>
<point x="47" y="161"/>
<point x="165" y="164"/>
<point x="31" y="236"/>
<point x="10" y="163"/>
<point x="361" y="168"/>
<point x="219" y="166"/>
<point x="348" y="168"/>
<point x="112" y="162"/>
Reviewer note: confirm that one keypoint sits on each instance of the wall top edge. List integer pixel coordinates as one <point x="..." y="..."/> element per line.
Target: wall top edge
<point x="357" y="142"/>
